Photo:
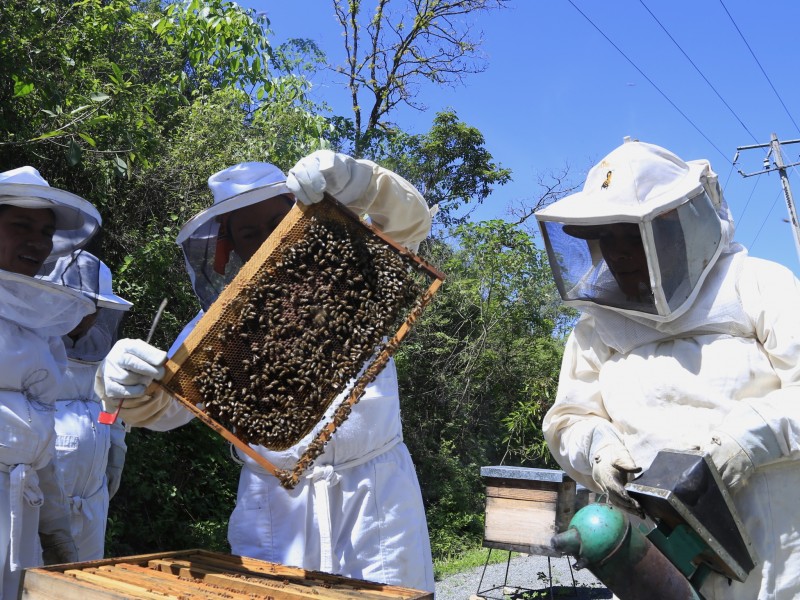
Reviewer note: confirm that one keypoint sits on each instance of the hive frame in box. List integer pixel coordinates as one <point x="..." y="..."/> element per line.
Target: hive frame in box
<point x="268" y="254"/>
<point x="198" y="574"/>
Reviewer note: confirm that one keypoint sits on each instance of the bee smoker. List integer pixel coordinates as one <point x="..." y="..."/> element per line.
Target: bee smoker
<point x="697" y="531"/>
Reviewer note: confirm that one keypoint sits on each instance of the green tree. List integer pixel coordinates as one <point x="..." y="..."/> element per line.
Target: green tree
<point x="133" y="104"/>
<point x="450" y="165"/>
<point x="483" y="352"/>
<point x="100" y="94"/>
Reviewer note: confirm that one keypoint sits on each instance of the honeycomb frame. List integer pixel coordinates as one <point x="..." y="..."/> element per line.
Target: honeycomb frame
<point x="271" y="317"/>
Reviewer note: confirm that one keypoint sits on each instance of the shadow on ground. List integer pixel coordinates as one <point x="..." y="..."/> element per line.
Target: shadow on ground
<point x="556" y="592"/>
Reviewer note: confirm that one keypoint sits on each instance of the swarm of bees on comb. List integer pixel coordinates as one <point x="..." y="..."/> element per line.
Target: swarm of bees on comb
<point x="317" y="311"/>
<point x="308" y="325"/>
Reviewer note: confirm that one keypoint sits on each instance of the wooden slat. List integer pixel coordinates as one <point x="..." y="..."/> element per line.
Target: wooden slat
<point x="530" y="495"/>
<point x="158" y="581"/>
<point x="528" y="484"/>
<point x="537" y="549"/>
<point x="287" y="587"/>
<point x="244" y="564"/>
<point x="138" y="559"/>
<point x="284" y="589"/>
<point x="132" y="591"/>
<point x="45" y="585"/>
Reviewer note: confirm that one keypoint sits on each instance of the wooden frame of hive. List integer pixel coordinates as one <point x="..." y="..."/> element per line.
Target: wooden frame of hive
<point x="198" y="574"/>
<point x="526" y="507"/>
<point x="181" y="370"/>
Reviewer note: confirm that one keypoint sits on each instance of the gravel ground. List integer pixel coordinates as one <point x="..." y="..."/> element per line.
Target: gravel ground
<point x="524" y="573"/>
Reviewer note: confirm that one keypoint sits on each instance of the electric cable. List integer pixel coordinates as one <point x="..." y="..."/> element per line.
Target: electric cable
<point x="759" y="65"/>
<point x="699" y="71"/>
<point x="764" y="222"/>
<point x="667" y="98"/>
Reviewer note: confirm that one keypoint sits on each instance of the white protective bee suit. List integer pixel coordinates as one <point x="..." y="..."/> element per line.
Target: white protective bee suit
<point x="34" y="314"/>
<point x="359" y="511"/>
<point x="686" y="363"/>
<point x="89" y="455"/>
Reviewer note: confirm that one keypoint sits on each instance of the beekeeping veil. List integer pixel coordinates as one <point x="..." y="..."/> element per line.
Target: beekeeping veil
<point x="204" y="239"/>
<point x="76" y="220"/>
<point x="87" y="274"/>
<point x="679" y="212"/>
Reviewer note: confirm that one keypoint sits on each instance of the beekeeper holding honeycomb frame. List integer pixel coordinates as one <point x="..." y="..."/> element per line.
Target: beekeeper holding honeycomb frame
<point x="359" y="513"/>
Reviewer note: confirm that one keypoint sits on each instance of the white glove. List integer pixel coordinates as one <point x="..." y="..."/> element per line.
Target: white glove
<point x="734" y="464"/>
<point x="342" y="176"/>
<point x="116" y="461"/>
<point x="128" y="369"/>
<point x="612" y="467"/>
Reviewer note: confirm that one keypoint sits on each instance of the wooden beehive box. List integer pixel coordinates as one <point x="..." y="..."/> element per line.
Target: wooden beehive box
<point x="525" y="507"/>
<point x="190" y="574"/>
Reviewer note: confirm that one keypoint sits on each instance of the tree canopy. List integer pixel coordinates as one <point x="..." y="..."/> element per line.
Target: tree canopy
<point x="133" y="104"/>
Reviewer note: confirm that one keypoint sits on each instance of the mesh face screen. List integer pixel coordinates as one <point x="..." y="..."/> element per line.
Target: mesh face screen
<point x="298" y="323"/>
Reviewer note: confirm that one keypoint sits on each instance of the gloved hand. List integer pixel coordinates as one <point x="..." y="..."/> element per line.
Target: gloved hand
<point x="612" y="466"/>
<point x="116" y="461"/>
<point x="342" y="176"/>
<point x="57" y="544"/>
<point x="129" y="368"/>
<point x="734" y="464"/>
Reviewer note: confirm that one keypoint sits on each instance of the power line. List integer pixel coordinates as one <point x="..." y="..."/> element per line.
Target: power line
<point x="728" y="178"/>
<point x="750" y="197"/>
<point x="699" y="71"/>
<point x="764" y="222"/>
<point x="759" y="65"/>
<point x="651" y="82"/>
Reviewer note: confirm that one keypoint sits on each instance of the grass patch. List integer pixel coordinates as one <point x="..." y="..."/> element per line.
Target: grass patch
<point x="465" y="561"/>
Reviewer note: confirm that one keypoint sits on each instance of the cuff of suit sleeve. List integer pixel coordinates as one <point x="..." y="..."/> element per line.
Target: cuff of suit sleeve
<point x="141" y="411"/>
<point x="146" y="410"/>
<point x="745" y="425"/>
<point x="604" y="434"/>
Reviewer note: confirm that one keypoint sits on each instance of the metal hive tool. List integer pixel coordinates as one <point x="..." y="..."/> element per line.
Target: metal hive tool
<point x="305" y="319"/>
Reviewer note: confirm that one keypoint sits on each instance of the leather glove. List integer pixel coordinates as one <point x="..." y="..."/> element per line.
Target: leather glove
<point x="116" y="461"/>
<point x="612" y="467"/>
<point x="342" y="176"/>
<point x="733" y="463"/>
<point x="57" y="544"/>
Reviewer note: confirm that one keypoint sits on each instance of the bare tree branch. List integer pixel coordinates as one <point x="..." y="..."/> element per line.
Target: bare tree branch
<point x="407" y="41"/>
<point x="554" y="186"/>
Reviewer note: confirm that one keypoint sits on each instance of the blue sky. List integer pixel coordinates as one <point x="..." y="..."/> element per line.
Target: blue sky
<point x="557" y="93"/>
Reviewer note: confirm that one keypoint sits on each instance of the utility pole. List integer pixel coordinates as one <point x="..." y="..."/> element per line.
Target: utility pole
<point x="775" y="151"/>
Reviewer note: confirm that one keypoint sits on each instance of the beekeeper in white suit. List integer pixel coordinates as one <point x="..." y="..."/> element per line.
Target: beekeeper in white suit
<point x="684" y="342"/>
<point x="360" y="512"/>
<point x="37" y="222"/>
<point x="90" y="456"/>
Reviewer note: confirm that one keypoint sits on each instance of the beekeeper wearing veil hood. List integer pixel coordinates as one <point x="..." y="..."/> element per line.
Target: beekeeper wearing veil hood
<point x="37" y="223"/>
<point x="89" y="455"/>
<point x="684" y="342"/>
<point x="360" y="512"/>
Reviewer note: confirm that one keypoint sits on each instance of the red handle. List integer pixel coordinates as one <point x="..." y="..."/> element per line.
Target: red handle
<point x="107" y="418"/>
